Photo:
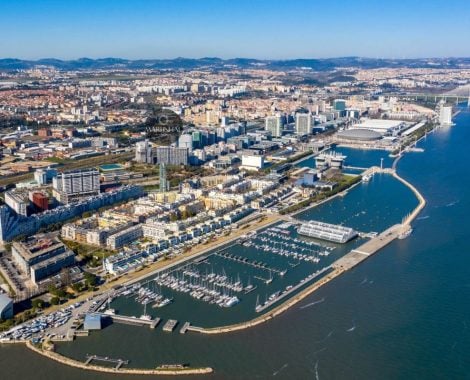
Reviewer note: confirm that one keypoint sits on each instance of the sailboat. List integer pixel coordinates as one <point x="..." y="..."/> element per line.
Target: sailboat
<point x="145" y="316"/>
<point x="258" y="305"/>
<point x="270" y="279"/>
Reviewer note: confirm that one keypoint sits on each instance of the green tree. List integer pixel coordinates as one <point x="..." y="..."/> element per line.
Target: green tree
<point x="37" y="303"/>
<point x="55" y="300"/>
<point x="90" y="279"/>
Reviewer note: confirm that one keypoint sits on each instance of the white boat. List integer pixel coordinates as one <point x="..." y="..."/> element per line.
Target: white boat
<point x="165" y="302"/>
<point x="231" y="301"/>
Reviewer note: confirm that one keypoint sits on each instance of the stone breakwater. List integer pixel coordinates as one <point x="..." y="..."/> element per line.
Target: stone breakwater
<point x="127" y="371"/>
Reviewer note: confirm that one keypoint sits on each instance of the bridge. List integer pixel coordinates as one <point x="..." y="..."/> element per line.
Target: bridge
<point x="435" y="97"/>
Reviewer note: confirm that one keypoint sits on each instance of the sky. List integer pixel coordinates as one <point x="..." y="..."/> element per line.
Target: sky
<point x="288" y="29"/>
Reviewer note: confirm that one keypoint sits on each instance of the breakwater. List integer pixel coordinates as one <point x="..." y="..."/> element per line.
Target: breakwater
<point x="128" y="371"/>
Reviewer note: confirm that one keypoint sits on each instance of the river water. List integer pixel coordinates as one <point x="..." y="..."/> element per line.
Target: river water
<point x="403" y="314"/>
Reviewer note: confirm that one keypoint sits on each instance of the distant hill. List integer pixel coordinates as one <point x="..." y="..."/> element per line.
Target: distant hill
<point x="218" y="63"/>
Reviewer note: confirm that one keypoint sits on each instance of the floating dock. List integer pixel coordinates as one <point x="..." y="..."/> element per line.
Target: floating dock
<point x="119" y="362"/>
<point x="170" y="325"/>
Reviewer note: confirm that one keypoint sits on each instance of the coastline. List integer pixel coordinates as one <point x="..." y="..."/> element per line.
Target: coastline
<point x="343" y="264"/>
<point x="350" y="260"/>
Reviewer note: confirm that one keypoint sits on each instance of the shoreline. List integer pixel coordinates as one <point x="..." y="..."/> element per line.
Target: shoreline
<point x="343" y="264"/>
<point x="340" y="266"/>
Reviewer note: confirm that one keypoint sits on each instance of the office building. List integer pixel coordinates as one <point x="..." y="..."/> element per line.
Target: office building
<point x="172" y="156"/>
<point x="144" y="152"/>
<point x="45" y="176"/>
<point x="303" y="124"/>
<point x="6" y="307"/>
<point x="69" y="187"/>
<point x="186" y="141"/>
<point x="129" y="235"/>
<point x="92" y="322"/>
<point x="39" y="199"/>
<point x="13" y="225"/>
<point x="273" y="124"/>
<point x="251" y="162"/>
<point x="445" y="115"/>
<point x="40" y="256"/>
<point x="18" y="201"/>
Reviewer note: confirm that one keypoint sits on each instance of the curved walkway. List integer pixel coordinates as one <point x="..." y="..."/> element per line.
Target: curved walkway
<point x="128" y="371"/>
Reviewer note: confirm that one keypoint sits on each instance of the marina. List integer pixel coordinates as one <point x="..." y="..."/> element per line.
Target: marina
<point x="225" y="286"/>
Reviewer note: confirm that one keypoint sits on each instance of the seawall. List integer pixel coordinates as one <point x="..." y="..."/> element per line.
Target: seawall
<point x="128" y="371"/>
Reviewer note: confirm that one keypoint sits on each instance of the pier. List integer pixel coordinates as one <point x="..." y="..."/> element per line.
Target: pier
<point x="293" y="289"/>
<point x="126" y="320"/>
<point x="155" y="323"/>
<point x="185" y="328"/>
<point x="361" y="253"/>
<point x="118" y="362"/>
<point x="245" y="260"/>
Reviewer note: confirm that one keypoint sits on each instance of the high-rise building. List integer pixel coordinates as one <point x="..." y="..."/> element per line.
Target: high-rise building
<point x="445" y="115"/>
<point x="186" y="141"/>
<point x="75" y="185"/>
<point x="303" y="124"/>
<point x="274" y="125"/>
<point x="163" y="181"/>
<point x="144" y="152"/>
<point x="44" y="176"/>
<point x="172" y="156"/>
<point x="18" y="201"/>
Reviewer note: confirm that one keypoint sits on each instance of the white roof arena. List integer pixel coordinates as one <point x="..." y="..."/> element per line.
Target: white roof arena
<point x="380" y="125"/>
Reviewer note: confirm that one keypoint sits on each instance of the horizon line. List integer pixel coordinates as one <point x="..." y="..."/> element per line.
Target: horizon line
<point x="232" y="58"/>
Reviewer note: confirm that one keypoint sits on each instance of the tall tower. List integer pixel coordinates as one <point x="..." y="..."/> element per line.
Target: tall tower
<point x="163" y="180"/>
<point x="303" y="124"/>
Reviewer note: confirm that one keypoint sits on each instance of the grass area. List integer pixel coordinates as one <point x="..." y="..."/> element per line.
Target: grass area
<point x="92" y="255"/>
<point x="344" y="183"/>
<point x="97" y="161"/>
<point x="67" y="164"/>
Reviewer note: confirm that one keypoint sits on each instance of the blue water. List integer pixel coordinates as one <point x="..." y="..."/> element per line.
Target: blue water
<point x="370" y="206"/>
<point x="357" y="158"/>
<point x="403" y="314"/>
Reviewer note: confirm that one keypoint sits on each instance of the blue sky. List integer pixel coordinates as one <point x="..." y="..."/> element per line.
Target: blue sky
<point x="230" y="28"/>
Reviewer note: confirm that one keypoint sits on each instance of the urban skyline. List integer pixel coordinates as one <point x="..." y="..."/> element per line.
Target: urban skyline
<point x="243" y="189"/>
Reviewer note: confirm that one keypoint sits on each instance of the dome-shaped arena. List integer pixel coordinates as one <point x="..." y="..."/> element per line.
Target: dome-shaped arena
<point x="359" y="134"/>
